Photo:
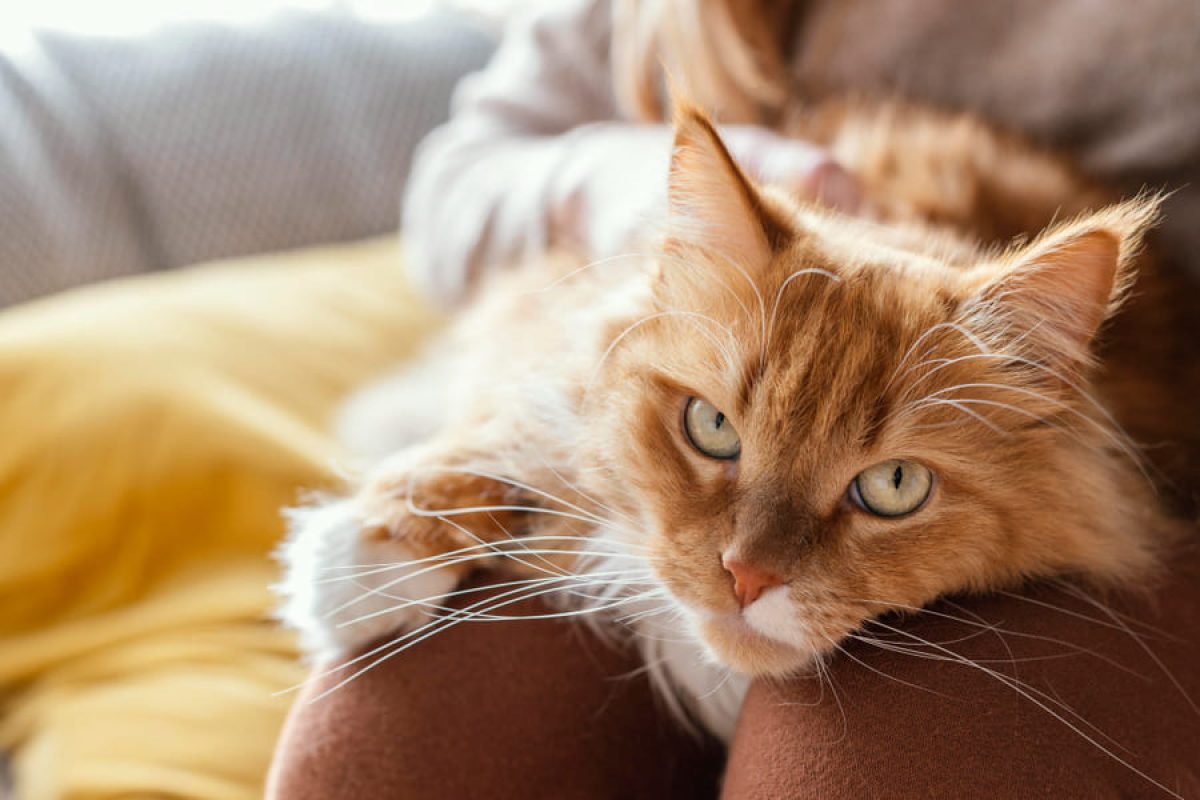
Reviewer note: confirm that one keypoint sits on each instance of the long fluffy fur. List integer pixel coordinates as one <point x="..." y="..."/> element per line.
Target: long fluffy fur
<point x="957" y="329"/>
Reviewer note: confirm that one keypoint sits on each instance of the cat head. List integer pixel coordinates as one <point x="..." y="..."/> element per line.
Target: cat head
<point x="822" y="419"/>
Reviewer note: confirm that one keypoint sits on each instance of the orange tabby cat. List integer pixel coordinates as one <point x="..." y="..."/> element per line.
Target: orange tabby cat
<point x="787" y="422"/>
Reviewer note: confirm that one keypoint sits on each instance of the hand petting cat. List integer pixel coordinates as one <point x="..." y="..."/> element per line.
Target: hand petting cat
<point x="608" y="209"/>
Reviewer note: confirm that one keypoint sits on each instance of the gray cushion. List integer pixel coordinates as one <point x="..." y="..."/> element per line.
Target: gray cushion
<point x="198" y="142"/>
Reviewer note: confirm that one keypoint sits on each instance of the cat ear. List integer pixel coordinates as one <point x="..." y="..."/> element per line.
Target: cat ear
<point x="712" y="205"/>
<point x="1062" y="286"/>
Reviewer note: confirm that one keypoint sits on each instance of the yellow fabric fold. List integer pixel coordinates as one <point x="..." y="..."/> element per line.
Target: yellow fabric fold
<point x="152" y="430"/>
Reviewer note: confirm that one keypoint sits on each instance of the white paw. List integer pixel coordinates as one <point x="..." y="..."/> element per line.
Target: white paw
<point x="341" y="589"/>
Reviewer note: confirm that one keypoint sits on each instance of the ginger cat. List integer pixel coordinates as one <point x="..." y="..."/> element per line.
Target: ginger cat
<point x="786" y="422"/>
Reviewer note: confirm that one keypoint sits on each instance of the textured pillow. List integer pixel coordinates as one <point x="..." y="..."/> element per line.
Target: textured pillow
<point x="152" y="430"/>
<point x="201" y="141"/>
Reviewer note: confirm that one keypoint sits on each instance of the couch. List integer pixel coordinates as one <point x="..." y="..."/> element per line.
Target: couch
<point x="127" y="155"/>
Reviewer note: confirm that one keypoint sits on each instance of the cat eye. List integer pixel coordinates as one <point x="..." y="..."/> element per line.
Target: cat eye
<point x="709" y="430"/>
<point x="892" y="488"/>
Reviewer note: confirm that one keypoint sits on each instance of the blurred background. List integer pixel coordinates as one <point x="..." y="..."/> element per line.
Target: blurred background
<point x="152" y="434"/>
<point x="141" y="136"/>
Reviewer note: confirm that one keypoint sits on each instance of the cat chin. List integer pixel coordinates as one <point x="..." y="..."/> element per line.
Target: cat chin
<point x="735" y="642"/>
<point x="769" y="638"/>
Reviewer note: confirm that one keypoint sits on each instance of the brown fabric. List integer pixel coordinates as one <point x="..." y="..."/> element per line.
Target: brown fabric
<point x="906" y="727"/>
<point x="543" y="709"/>
<point x="515" y="709"/>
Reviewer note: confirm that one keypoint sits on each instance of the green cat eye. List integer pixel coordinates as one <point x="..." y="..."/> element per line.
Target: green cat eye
<point x="709" y="430"/>
<point x="892" y="488"/>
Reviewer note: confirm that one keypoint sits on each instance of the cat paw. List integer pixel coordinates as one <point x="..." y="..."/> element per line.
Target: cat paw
<point x="348" y="583"/>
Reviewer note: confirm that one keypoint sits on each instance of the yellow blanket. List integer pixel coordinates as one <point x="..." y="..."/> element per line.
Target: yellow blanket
<point x="152" y="429"/>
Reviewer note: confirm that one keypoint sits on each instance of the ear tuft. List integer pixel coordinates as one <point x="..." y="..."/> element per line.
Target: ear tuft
<point x="712" y="205"/>
<point x="1072" y="277"/>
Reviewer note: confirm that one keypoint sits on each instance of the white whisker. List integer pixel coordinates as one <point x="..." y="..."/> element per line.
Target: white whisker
<point x="1044" y="702"/>
<point x="779" y="294"/>
<point x="590" y="265"/>
<point x="496" y="545"/>
<point x="585" y="580"/>
<point x="587" y="516"/>
<point x="966" y="333"/>
<point x="441" y="624"/>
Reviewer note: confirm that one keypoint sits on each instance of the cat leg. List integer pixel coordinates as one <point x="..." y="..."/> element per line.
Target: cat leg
<point x="381" y="561"/>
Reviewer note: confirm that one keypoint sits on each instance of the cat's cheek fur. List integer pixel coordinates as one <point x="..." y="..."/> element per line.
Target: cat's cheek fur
<point x="696" y="685"/>
<point x="337" y="601"/>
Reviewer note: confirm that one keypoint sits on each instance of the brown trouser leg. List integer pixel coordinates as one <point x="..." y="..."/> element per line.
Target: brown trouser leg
<point x="960" y="717"/>
<point x="520" y="709"/>
<point x="950" y="709"/>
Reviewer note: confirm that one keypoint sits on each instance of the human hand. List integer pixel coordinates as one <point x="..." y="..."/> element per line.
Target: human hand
<point x="792" y="164"/>
<point x="612" y="190"/>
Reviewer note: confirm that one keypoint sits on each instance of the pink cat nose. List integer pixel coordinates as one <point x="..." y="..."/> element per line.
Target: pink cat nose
<point x="749" y="582"/>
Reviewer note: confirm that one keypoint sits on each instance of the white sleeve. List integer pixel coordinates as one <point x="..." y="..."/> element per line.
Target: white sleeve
<point x="534" y="155"/>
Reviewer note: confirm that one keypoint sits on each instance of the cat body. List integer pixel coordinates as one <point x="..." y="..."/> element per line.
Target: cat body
<point x="783" y="423"/>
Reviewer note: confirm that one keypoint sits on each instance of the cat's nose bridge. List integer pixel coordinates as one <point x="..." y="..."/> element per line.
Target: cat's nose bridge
<point x="772" y="521"/>
<point x="770" y="534"/>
